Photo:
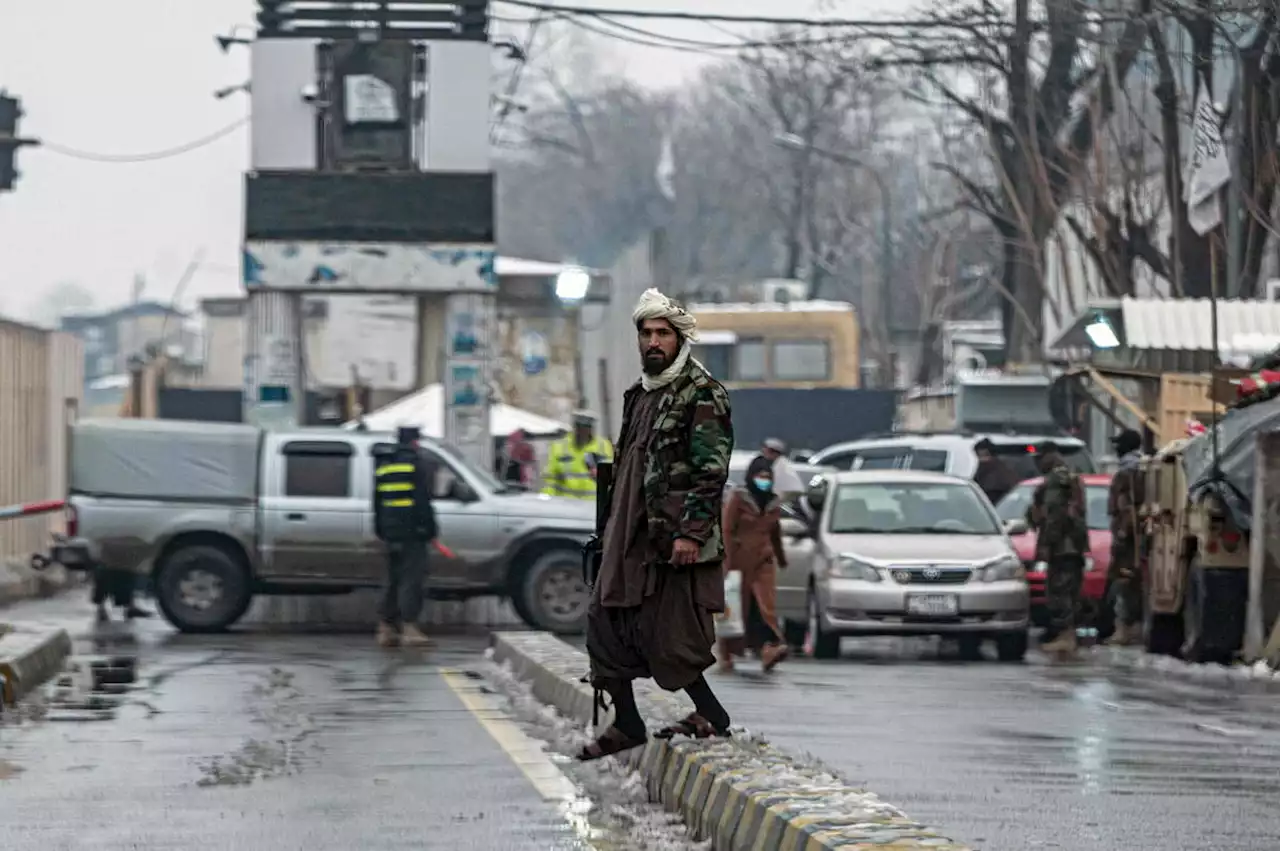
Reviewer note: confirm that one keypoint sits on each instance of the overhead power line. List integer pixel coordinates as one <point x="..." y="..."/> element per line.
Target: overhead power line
<point x="150" y="156"/>
<point x="705" y="17"/>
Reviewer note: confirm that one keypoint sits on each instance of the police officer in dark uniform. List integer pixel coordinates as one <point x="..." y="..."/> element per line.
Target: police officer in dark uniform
<point x="405" y="521"/>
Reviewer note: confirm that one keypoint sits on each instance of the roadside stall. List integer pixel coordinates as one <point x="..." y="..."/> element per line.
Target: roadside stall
<point x="1154" y="360"/>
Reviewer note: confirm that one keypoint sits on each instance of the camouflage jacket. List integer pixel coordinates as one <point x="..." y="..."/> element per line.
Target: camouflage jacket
<point x="1057" y="513"/>
<point x="688" y="462"/>
<point x="1124" y="499"/>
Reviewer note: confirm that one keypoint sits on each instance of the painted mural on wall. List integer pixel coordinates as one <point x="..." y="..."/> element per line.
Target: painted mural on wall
<point x="534" y="367"/>
<point x="369" y="267"/>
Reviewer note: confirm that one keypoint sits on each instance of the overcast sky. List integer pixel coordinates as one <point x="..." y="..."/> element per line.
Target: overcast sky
<point x="124" y="77"/>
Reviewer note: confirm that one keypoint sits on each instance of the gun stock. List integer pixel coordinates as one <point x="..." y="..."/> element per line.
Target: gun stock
<point x="604" y="494"/>
<point x="593" y="551"/>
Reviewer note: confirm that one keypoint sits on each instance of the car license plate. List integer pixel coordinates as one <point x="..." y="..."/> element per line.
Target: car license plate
<point x="937" y="605"/>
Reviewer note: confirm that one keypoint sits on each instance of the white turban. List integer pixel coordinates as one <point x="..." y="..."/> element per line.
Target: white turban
<point x="655" y="305"/>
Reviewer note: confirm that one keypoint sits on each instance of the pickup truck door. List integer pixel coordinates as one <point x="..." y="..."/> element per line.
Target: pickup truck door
<point x="314" y="513"/>
<point x="467" y="520"/>
<point x="468" y="526"/>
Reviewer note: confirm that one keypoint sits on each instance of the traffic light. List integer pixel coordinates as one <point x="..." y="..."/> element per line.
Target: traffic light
<point x="271" y="17"/>
<point x="10" y="141"/>
<point x="10" y="112"/>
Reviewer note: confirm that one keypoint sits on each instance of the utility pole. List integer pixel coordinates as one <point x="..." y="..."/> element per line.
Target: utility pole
<point x="11" y="140"/>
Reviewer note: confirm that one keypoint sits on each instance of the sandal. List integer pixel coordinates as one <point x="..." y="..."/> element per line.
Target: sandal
<point x="695" y="727"/>
<point x="772" y="655"/>
<point x="611" y="742"/>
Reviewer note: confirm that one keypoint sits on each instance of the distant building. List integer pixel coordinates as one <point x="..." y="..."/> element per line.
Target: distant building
<point x="112" y="337"/>
<point x="394" y="345"/>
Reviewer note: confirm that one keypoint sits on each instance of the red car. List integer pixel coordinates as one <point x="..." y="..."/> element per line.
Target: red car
<point x="1013" y="510"/>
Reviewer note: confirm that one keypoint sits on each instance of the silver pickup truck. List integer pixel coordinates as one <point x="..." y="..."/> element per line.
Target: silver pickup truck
<point x="215" y="513"/>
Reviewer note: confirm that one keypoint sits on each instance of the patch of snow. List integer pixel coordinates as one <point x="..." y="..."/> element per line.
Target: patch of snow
<point x="620" y="797"/>
<point x="1259" y="671"/>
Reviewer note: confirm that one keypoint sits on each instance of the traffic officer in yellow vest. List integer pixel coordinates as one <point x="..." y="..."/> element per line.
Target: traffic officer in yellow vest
<point x="571" y="467"/>
<point x="403" y="519"/>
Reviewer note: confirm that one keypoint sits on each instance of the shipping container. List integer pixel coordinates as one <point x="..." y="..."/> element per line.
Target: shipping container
<point x="41" y="384"/>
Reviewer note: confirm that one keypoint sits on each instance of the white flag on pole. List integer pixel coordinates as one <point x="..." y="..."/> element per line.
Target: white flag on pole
<point x="1208" y="167"/>
<point x="666" y="173"/>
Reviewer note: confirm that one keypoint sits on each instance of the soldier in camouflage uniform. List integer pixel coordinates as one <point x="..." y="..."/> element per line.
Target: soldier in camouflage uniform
<point x="660" y="581"/>
<point x="1124" y="579"/>
<point x="1057" y="513"/>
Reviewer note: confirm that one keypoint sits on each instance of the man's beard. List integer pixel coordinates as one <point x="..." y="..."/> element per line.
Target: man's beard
<point x="655" y="361"/>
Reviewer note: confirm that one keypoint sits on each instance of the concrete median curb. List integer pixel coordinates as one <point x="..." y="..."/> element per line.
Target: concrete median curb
<point x="27" y="660"/>
<point x="743" y="794"/>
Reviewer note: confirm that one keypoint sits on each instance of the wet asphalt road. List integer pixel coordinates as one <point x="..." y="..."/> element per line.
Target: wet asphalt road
<point x="1084" y="757"/>
<point x="261" y="742"/>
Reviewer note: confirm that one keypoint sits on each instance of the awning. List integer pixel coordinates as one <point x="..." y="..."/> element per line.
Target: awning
<point x="599" y="291"/>
<point x="1245" y="326"/>
<point x="425" y="409"/>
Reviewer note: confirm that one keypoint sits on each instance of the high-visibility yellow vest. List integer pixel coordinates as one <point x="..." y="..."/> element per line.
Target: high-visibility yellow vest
<point x="396" y="511"/>
<point x="569" y="474"/>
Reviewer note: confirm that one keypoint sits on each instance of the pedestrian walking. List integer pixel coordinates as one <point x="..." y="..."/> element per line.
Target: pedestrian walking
<point x="661" y="581"/>
<point x="1124" y="577"/>
<point x="572" y="461"/>
<point x="994" y="476"/>
<point x="786" y="481"/>
<point x="119" y="587"/>
<point x="405" y="521"/>
<point x="1057" y="513"/>
<point x="753" y="548"/>
<point x="517" y="459"/>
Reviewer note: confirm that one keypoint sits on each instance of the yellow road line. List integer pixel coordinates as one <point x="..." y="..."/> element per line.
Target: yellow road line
<point x="528" y="754"/>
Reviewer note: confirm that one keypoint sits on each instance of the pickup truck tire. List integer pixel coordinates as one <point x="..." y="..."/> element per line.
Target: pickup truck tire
<point x="203" y="588"/>
<point x="548" y="592"/>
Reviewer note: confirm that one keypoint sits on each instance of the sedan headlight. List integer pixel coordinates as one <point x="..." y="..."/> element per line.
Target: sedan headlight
<point x="1004" y="570"/>
<point x="847" y="567"/>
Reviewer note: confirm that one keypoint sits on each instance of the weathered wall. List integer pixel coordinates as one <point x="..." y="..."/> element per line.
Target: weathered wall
<point x="41" y="380"/>
<point x="536" y="360"/>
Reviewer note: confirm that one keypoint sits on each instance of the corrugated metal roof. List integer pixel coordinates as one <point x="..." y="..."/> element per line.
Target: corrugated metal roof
<point x="1186" y="324"/>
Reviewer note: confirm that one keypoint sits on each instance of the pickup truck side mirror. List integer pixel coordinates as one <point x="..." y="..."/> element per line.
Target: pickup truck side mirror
<point x="794" y="528"/>
<point x="1016" y="527"/>
<point x="460" y="491"/>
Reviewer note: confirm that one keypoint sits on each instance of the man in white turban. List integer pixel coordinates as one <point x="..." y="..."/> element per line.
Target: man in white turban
<point x="660" y="581"/>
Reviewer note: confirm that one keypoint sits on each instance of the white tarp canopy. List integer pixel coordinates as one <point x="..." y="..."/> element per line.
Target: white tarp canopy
<point x="425" y="409"/>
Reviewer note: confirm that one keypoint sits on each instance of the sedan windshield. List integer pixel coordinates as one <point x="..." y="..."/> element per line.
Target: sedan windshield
<point x="917" y="508"/>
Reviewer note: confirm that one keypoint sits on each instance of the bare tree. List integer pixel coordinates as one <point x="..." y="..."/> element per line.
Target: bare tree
<point x="1196" y="36"/>
<point x="1038" y="80"/>
<point x="62" y="299"/>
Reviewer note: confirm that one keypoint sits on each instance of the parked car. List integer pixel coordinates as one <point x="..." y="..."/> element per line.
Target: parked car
<point x="1013" y="509"/>
<point x="214" y="514"/>
<point x="902" y="552"/>
<point x="950" y="453"/>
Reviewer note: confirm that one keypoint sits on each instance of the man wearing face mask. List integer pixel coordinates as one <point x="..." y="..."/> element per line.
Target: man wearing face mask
<point x="660" y="581"/>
